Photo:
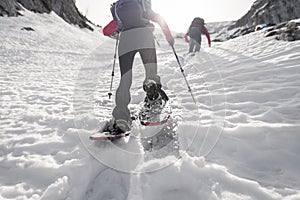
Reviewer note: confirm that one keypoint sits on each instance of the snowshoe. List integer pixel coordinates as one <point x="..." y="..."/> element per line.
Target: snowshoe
<point x="108" y="135"/>
<point x="153" y="90"/>
<point x="112" y="130"/>
<point x="155" y="113"/>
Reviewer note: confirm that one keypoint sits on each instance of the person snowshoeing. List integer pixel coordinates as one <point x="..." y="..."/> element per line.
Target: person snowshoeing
<point x="132" y="23"/>
<point x="193" y="36"/>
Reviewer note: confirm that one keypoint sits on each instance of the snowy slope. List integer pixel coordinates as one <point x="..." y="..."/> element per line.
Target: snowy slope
<point x="239" y="142"/>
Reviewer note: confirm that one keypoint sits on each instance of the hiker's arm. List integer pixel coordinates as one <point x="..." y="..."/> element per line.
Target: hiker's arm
<point x="164" y="26"/>
<point x="186" y="38"/>
<point x="207" y="36"/>
<point x="111" y="28"/>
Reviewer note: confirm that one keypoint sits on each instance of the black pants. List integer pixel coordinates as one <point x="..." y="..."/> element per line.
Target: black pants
<point x="126" y="60"/>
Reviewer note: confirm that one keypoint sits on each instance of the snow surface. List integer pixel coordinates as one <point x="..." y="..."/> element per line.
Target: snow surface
<point x="241" y="140"/>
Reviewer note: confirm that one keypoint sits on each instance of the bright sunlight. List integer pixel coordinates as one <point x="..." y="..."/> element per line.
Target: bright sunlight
<point x="179" y="14"/>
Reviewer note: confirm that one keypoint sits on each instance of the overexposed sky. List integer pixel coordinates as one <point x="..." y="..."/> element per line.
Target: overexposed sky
<point x="178" y="13"/>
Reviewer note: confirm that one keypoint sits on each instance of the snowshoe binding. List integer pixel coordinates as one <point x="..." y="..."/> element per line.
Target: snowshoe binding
<point x="154" y="111"/>
<point x="112" y="130"/>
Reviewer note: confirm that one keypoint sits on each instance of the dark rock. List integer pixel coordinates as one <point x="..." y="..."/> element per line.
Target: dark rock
<point x="27" y="29"/>
<point x="271" y="33"/>
<point x="66" y="9"/>
<point x="217" y="40"/>
<point x="237" y="32"/>
<point x="291" y="33"/>
<point x="269" y="12"/>
<point x="280" y="25"/>
<point x="69" y="12"/>
<point x="39" y="6"/>
<point x="264" y="15"/>
<point x="287" y="31"/>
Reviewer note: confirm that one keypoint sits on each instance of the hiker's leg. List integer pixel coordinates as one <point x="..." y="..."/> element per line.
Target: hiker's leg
<point x="123" y="98"/>
<point x="192" y="45"/>
<point x="197" y="49"/>
<point x="150" y="63"/>
<point x="198" y="43"/>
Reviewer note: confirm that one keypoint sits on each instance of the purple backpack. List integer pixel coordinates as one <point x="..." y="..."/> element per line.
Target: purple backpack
<point x="131" y="13"/>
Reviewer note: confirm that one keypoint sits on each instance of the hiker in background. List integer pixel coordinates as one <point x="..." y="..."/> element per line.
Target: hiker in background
<point x="132" y="20"/>
<point x="193" y="36"/>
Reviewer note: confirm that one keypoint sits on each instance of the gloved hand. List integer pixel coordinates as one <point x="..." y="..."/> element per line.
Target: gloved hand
<point x="186" y="38"/>
<point x="111" y="28"/>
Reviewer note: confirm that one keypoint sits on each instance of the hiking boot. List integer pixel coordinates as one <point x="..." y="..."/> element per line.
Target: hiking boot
<point x="123" y="125"/>
<point x="163" y="94"/>
<point x="151" y="90"/>
<point x="154" y="90"/>
<point x="116" y="127"/>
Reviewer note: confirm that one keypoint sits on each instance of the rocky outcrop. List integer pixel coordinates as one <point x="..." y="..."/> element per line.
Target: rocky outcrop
<point x="285" y="31"/>
<point x="69" y="12"/>
<point x="9" y="8"/>
<point x="66" y="9"/>
<point x="40" y="6"/>
<point x="269" y="12"/>
<point x="262" y="13"/>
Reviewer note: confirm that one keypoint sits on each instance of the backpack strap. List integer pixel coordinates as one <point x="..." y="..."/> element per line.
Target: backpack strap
<point x="143" y="5"/>
<point x="116" y="18"/>
<point x="146" y="8"/>
<point x="115" y="10"/>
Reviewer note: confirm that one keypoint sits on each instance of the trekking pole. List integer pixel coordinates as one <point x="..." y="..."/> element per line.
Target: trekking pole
<point x="182" y="71"/>
<point x="113" y="70"/>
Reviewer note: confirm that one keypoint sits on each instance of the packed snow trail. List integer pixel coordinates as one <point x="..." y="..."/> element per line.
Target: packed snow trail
<point x="247" y="89"/>
<point x="262" y="105"/>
